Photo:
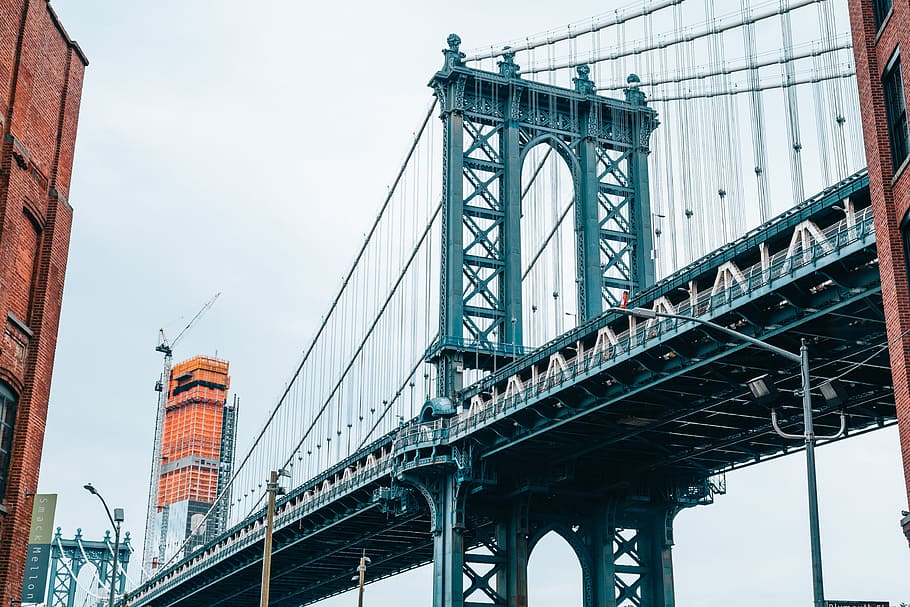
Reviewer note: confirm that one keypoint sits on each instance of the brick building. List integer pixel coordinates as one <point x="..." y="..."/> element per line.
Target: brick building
<point x="41" y="72"/>
<point x="881" y="44"/>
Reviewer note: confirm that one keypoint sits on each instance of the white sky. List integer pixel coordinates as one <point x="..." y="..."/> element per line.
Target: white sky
<point x="243" y="147"/>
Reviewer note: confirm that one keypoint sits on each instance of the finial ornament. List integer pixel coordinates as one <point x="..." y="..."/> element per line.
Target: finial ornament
<point x="583" y="84"/>
<point x="454" y="41"/>
<point x="454" y="57"/>
<point x="633" y="92"/>
<point x="507" y="67"/>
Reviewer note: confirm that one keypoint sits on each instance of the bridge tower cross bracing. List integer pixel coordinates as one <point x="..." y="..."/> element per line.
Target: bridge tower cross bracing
<point x="491" y="121"/>
<point x="68" y="557"/>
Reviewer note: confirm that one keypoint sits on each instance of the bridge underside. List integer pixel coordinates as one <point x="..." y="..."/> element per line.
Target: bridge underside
<point x="314" y="558"/>
<point x="688" y="412"/>
<point x="681" y="410"/>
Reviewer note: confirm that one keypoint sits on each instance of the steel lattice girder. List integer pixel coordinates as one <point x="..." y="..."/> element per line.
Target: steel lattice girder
<point x="490" y="122"/>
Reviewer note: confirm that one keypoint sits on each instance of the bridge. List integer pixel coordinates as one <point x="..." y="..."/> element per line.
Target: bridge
<point x="533" y="417"/>
<point x="647" y="414"/>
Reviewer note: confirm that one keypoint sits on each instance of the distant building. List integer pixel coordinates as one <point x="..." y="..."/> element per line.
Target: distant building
<point x="881" y="33"/>
<point x="197" y="455"/>
<point x="41" y="71"/>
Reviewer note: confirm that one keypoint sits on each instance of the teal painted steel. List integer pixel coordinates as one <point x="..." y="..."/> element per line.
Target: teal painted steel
<point x="593" y="452"/>
<point x="491" y="121"/>
<point x="68" y="557"/>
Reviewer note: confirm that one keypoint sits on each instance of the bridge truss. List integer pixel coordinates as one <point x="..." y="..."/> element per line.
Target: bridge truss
<point x="70" y="557"/>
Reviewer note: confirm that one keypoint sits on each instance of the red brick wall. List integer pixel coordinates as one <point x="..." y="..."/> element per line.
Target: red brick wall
<point x="890" y="196"/>
<point x="41" y="72"/>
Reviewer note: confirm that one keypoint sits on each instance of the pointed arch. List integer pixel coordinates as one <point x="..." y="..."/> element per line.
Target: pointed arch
<point x="559" y="146"/>
<point x="577" y="545"/>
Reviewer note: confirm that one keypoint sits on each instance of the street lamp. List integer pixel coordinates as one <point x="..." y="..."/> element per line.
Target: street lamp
<point x="361" y="577"/>
<point x="273" y="489"/>
<point x="116" y="519"/>
<point x="763" y="389"/>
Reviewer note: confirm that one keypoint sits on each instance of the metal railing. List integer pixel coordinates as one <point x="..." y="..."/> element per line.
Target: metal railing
<point x="782" y="265"/>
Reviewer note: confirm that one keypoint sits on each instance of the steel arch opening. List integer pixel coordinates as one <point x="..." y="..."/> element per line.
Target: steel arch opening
<point x="555" y="574"/>
<point x="549" y="241"/>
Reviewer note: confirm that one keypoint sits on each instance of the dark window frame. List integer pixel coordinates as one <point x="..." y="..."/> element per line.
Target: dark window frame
<point x="8" y="403"/>
<point x="33" y="222"/>
<point x="880" y="11"/>
<point x="896" y="111"/>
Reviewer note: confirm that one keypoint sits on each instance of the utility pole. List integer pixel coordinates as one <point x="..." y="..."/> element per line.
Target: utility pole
<point x="273" y="489"/>
<point x="361" y="575"/>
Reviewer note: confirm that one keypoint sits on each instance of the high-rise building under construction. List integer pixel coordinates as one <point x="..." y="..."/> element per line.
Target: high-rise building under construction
<point x="194" y="459"/>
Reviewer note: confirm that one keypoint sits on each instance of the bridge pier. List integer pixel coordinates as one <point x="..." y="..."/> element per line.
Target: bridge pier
<point x="512" y="538"/>
<point x="498" y="568"/>
<point x="624" y="550"/>
<point x="629" y="556"/>
<point x="445" y="497"/>
<point x="623" y="545"/>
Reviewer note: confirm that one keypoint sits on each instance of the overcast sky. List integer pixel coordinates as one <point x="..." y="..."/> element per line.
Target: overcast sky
<point x="243" y="147"/>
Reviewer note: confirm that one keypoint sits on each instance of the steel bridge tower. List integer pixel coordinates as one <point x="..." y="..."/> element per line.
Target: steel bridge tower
<point x="485" y="523"/>
<point x="68" y="557"/>
<point x="491" y="121"/>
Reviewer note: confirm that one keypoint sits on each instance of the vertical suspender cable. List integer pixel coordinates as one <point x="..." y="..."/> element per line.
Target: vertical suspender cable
<point x="827" y="24"/>
<point x="756" y="105"/>
<point x="792" y="106"/>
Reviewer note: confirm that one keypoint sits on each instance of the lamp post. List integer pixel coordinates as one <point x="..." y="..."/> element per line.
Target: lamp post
<point x="273" y="489"/>
<point x="115" y="519"/>
<point x="808" y="435"/>
<point x="360" y="578"/>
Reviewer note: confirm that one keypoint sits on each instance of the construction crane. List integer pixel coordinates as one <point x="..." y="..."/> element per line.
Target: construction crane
<point x="150" y="548"/>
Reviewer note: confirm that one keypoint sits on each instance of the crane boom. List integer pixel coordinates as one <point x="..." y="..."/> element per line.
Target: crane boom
<point x="151" y="549"/>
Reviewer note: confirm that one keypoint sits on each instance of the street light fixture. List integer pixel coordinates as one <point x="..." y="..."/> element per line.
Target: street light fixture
<point x="763" y="389"/>
<point x="273" y="489"/>
<point x="116" y="519"/>
<point x="361" y="576"/>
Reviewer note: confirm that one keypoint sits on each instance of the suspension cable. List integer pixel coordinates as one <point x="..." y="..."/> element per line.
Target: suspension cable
<point x="580" y="29"/>
<point x="707" y="30"/>
<point x="319" y="332"/>
<point x="847" y="73"/>
<point x="741" y="67"/>
<point x="379" y="314"/>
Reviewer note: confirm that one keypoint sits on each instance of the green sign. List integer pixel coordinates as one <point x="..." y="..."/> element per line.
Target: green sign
<point x="43" y="509"/>
<point x="41" y="534"/>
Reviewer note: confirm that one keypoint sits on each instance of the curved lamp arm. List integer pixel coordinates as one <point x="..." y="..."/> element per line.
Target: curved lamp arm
<point x="94" y="492"/>
<point x="838" y="434"/>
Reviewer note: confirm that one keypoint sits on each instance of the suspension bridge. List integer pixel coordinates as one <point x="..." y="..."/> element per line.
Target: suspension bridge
<point x="471" y="387"/>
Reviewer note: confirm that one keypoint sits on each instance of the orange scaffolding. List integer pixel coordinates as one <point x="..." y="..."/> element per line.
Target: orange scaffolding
<point x="191" y="434"/>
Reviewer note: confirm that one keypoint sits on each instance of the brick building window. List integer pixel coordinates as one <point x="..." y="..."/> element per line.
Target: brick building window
<point x="896" y="111"/>
<point x="7" y="418"/>
<point x="880" y="10"/>
<point x="27" y="263"/>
